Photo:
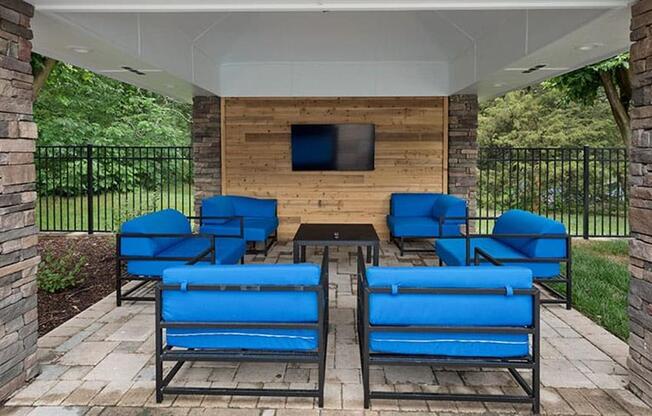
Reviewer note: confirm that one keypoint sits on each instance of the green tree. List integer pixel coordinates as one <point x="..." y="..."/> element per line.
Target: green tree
<point x="76" y="106"/>
<point x="613" y="77"/>
<point x="544" y="117"/>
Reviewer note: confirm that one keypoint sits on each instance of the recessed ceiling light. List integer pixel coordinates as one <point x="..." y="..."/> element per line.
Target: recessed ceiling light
<point x="79" y="49"/>
<point x="500" y="84"/>
<point x="589" y="47"/>
<point x="170" y="86"/>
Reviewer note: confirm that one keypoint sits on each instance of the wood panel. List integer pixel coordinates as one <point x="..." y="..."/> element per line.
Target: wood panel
<point x="410" y="156"/>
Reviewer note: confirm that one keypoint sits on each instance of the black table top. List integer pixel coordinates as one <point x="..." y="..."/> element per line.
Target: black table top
<point x="347" y="233"/>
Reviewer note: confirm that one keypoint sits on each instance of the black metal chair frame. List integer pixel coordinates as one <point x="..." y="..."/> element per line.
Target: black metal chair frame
<point x="122" y="276"/>
<point x="566" y="278"/>
<point x="180" y="355"/>
<point x="400" y="241"/>
<point x="368" y="358"/>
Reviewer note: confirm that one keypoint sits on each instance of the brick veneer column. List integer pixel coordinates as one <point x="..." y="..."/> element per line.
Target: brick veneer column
<point x="206" y="146"/>
<point x="18" y="234"/>
<point x="463" y="146"/>
<point x="640" y="291"/>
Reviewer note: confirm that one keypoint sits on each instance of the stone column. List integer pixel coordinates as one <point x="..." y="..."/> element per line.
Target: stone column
<point x="206" y="148"/>
<point x="640" y="200"/>
<point x="18" y="234"/>
<point x="463" y="147"/>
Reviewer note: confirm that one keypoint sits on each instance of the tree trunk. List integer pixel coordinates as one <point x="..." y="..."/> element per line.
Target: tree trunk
<point x="618" y="109"/>
<point x="41" y="76"/>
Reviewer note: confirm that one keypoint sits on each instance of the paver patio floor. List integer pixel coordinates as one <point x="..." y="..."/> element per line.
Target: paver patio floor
<point x="101" y="363"/>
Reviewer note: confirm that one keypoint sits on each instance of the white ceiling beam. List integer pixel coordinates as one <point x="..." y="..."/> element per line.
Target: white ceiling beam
<point x="312" y="5"/>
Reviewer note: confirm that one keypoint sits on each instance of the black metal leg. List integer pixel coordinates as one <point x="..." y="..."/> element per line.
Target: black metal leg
<point x="569" y="287"/>
<point x="402" y="246"/>
<point x="376" y="256"/>
<point x="303" y="254"/>
<point x="368" y="254"/>
<point x="295" y="252"/>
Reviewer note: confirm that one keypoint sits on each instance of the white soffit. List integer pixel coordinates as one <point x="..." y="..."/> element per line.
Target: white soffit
<point x="438" y="50"/>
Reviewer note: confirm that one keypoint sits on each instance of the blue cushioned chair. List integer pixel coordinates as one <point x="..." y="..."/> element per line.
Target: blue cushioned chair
<point x="424" y="215"/>
<point x="274" y="313"/>
<point x="449" y="317"/>
<point x="259" y="216"/>
<point x="151" y="243"/>
<point x="519" y="238"/>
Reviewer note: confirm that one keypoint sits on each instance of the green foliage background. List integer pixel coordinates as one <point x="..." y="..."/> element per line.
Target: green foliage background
<point x="546" y="117"/>
<point x="77" y="106"/>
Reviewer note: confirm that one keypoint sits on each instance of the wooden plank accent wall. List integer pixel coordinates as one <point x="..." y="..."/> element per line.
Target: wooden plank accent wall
<point x="410" y="156"/>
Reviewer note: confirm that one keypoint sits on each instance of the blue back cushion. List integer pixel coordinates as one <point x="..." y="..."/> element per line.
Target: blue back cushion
<point x="251" y="306"/>
<point x="413" y="204"/>
<point x="167" y="221"/>
<point x="449" y="206"/>
<point x="217" y="206"/>
<point x="522" y="222"/>
<point x="471" y="310"/>
<point x="253" y="207"/>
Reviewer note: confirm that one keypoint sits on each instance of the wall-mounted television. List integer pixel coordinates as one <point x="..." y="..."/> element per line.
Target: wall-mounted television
<point x="344" y="147"/>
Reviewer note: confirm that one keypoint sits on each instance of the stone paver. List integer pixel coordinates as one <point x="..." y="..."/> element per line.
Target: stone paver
<point x="101" y="363"/>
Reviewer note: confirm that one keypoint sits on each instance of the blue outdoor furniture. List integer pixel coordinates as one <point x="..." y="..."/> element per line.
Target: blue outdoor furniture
<point x="258" y="313"/>
<point x="474" y="317"/>
<point x="519" y="238"/>
<point x="424" y="216"/>
<point x="259" y="216"/>
<point x="151" y="243"/>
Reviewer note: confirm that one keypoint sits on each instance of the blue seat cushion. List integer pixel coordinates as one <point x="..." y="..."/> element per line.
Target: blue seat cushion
<point x="450" y="345"/>
<point x="255" y="228"/>
<point x="167" y="221"/>
<point x="251" y="306"/>
<point x="449" y="206"/>
<point x="227" y="251"/>
<point x="523" y="222"/>
<point x="412" y="204"/>
<point x="450" y="310"/>
<point x="423" y="227"/>
<point x="453" y="253"/>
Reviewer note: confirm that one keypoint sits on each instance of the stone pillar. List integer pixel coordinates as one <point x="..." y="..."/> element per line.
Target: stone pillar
<point x="640" y="200"/>
<point x="206" y="148"/>
<point x="18" y="234"/>
<point x="463" y="147"/>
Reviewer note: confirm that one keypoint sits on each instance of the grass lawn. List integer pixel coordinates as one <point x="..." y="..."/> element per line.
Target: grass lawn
<point x="601" y="283"/>
<point x="54" y="213"/>
<point x="598" y="224"/>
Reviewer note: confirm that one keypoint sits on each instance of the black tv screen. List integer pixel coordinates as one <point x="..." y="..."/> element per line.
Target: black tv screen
<point x="346" y="147"/>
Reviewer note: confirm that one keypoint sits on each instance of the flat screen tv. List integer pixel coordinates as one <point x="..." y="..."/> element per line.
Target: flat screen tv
<point x="345" y="147"/>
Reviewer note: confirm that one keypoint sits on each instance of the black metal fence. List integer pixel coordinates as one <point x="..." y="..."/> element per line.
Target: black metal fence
<point x="95" y="188"/>
<point x="585" y="188"/>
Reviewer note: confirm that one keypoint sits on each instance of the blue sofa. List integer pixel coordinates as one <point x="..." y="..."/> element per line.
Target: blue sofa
<point x="151" y="243"/>
<point x="241" y="313"/>
<point x="424" y="216"/>
<point x="449" y="317"/>
<point x="519" y="238"/>
<point x="259" y="216"/>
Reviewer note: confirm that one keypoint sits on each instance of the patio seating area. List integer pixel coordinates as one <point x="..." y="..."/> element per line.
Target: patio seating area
<point x="102" y="362"/>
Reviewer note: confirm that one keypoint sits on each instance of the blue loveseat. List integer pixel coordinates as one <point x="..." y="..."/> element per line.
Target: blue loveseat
<point x="519" y="238"/>
<point x="151" y="243"/>
<point x="449" y="317"/>
<point x="241" y="313"/>
<point x="424" y="215"/>
<point x="259" y="216"/>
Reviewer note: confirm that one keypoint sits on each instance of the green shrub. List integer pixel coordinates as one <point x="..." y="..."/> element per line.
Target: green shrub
<point x="59" y="273"/>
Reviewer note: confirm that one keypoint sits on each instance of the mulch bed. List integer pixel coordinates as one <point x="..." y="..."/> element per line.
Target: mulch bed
<point x="97" y="277"/>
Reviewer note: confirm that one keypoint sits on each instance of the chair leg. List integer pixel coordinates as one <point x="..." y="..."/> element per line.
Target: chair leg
<point x="118" y="286"/>
<point x="402" y="245"/>
<point x="569" y="287"/>
<point x="365" y="380"/>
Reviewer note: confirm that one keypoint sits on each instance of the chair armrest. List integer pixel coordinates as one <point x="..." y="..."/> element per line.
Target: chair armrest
<point x="479" y="253"/>
<point x="239" y="218"/>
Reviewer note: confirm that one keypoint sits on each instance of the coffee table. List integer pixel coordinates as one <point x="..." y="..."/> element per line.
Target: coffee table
<point x="356" y="235"/>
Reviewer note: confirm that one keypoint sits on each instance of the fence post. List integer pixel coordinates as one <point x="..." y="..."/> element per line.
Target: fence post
<point x="585" y="174"/>
<point x="89" y="186"/>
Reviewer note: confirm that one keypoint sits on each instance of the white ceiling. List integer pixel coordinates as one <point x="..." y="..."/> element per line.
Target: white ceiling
<point x="382" y="48"/>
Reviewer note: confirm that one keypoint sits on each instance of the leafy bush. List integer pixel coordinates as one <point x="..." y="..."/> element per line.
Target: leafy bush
<point x="59" y="273"/>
